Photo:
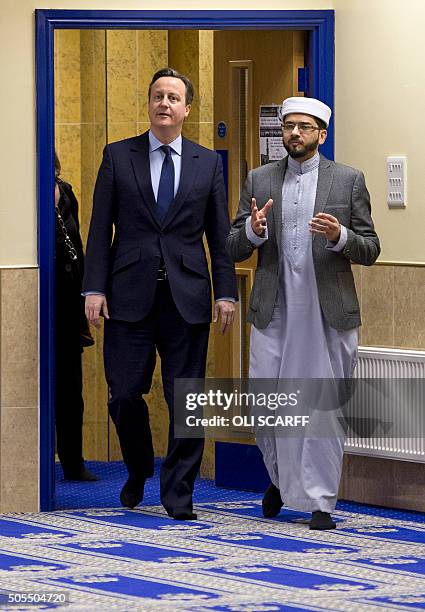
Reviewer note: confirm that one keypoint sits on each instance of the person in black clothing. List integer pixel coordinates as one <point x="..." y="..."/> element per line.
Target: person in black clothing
<point x="72" y="333"/>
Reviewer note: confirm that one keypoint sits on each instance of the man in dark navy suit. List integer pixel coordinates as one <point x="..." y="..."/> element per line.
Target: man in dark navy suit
<point x="150" y="280"/>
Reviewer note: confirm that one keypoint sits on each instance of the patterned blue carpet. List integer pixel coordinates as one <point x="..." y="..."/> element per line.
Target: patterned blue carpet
<point x="101" y="556"/>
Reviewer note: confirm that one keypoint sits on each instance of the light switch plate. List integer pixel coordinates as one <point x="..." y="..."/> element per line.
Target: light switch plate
<point x="397" y="181"/>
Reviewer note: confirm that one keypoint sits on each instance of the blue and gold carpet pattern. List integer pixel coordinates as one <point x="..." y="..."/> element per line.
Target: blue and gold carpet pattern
<point x="230" y="559"/>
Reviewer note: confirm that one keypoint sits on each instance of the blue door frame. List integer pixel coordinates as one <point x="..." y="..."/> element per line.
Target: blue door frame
<point x="319" y="25"/>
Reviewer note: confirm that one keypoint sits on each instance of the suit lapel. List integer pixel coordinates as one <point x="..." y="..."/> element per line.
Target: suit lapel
<point x="276" y="184"/>
<point x="189" y="172"/>
<point x="324" y="183"/>
<point x="139" y="154"/>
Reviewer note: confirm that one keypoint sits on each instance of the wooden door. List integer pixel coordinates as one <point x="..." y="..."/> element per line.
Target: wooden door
<point x="251" y="68"/>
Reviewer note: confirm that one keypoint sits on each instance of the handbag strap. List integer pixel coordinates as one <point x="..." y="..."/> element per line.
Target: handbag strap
<point x="69" y="245"/>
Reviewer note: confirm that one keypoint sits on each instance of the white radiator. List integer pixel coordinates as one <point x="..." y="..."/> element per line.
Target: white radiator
<point x="390" y="364"/>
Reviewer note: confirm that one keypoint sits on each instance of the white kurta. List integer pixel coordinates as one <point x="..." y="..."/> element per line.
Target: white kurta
<point x="299" y="343"/>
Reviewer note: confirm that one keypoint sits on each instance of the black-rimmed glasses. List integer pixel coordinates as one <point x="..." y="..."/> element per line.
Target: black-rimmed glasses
<point x="303" y="128"/>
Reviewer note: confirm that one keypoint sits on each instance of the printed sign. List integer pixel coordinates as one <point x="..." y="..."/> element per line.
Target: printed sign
<point x="271" y="145"/>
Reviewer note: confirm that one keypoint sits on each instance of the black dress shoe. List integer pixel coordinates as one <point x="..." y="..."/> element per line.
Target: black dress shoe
<point x="82" y="475"/>
<point x="321" y="521"/>
<point x="132" y="493"/>
<point x="272" y="502"/>
<point x="182" y="515"/>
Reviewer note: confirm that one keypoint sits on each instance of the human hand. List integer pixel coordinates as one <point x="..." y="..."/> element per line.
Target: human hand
<point x="259" y="217"/>
<point x="94" y="307"/>
<point x="226" y="311"/>
<point x="326" y="225"/>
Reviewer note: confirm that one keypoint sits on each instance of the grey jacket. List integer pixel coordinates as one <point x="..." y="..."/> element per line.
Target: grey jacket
<point x="341" y="191"/>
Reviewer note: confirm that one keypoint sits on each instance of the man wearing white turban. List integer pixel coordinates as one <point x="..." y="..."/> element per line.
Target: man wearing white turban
<point x="309" y="218"/>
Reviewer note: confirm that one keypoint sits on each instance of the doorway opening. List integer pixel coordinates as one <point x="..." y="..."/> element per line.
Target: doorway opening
<point x="100" y="78"/>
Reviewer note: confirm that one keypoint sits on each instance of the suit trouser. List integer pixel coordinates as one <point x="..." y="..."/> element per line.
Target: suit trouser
<point x="69" y="406"/>
<point x="130" y="356"/>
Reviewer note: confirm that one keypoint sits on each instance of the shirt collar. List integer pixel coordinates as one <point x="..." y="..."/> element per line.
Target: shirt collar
<point x="155" y="144"/>
<point x="307" y="166"/>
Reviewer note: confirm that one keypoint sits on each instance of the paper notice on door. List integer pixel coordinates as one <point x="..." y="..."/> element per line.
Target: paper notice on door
<point x="271" y="146"/>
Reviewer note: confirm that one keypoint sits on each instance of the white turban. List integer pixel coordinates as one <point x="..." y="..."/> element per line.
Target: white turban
<point x="306" y="106"/>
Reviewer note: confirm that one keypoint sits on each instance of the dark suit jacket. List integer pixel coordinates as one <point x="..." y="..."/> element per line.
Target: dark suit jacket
<point x="70" y="317"/>
<point x="341" y="192"/>
<point x="124" y="265"/>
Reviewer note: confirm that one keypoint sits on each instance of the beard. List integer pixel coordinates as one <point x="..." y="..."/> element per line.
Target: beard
<point x="302" y="151"/>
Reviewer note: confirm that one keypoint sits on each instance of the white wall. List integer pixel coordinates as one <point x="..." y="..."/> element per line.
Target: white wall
<point x="379" y="108"/>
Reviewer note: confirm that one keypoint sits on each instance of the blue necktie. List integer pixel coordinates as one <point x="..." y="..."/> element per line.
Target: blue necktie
<point x="166" y="184"/>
